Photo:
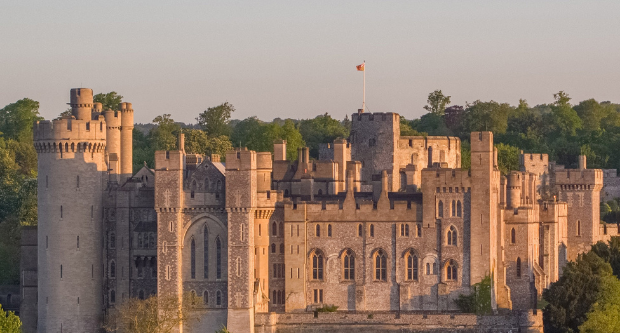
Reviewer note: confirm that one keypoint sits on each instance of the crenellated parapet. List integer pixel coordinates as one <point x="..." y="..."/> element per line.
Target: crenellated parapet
<point x="70" y="135"/>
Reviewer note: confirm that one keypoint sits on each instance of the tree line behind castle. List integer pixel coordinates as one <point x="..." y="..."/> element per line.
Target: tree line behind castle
<point x="562" y="129"/>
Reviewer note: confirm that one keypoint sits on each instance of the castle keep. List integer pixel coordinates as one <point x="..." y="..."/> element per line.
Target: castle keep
<point x="382" y="223"/>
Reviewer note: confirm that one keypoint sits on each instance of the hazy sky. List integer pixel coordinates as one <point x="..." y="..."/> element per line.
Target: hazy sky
<point x="297" y="58"/>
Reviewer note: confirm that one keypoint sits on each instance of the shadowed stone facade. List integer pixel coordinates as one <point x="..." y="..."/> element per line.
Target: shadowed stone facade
<point x="382" y="225"/>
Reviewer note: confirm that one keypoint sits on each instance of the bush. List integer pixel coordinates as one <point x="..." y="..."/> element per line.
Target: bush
<point x="327" y="308"/>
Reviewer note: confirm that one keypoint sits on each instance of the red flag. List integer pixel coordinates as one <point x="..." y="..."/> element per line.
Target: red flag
<point x="360" y="67"/>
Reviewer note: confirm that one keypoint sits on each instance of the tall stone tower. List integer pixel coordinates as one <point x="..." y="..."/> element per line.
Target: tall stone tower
<point x="72" y="176"/>
<point x="241" y="202"/>
<point x="126" y="111"/>
<point x="484" y="202"/>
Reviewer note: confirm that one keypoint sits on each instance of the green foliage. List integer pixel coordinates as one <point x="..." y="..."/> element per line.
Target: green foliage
<point x="327" y="308"/>
<point x="258" y="135"/>
<point x="507" y="158"/>
<point x="223" y="330"/>
<point x="321" y="129"/>
<point x="437" y="102"/>
<point x="431" y="123"/>
<point x="16" y="120"/>
<point x="479" y="301"/>
<point x="488" y="116"/>
<point x="109" y="101"/>
<point x="9" y="322"/>
<point x="465" y="155"/>
<point x="572" y="296"/>
<point x="165" y="135"/>
<point x="214" y="121"/>
<point x="605" y="314"/>
<point x="197" y="142"/>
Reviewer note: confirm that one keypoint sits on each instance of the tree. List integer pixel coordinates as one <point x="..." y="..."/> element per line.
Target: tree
<point x="164" y="136"/>
<point x="605" y="314"/>
<point x="110" y="100"/>
<point x="16" y="120"/>
<point x="214" y="121"/>
<point x="437" y="102"/>
<point x="563" y="116"/>
<point x="257" y="135"/>
<point x="487" y="116"/>
<point x="572" y="296"/>
<point x="197" y="142"/>
<point x="9" y="322"/>
<point x="156" y="314"/>
<point x="507" y="158"/>
<point x="431" y="123"/>
<point x="321" y="129"/>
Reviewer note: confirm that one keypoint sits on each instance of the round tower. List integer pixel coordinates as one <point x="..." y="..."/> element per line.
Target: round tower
<point x="113" y="142"/>
<point x="514" y="189"/>
<point x="72" y="172"/>
<point x="126" y="157"/>
<point x="81" y="103"/>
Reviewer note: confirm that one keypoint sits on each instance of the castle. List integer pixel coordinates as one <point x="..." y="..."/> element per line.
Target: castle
<point x="381" y="223"/>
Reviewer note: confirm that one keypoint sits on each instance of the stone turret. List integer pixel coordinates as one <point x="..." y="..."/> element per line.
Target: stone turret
<point x="126" y="111"/>
<point x="72" y="171"/>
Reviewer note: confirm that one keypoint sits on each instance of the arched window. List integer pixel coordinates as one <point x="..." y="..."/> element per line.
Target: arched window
<point x="193" y="259"/>
<point x="434" y="268"/>
<point x="206" y="252"/>
<point x="349" y="265"/>
<point x="412" y="265"/>
<point x="518" y="267"/>
<point x="193" y="297"/>
<point x="329" y="230"/>
<point x="513" y="236"/>
<point x="458" y="208"/>
<point x="428" y="269"/>
<point x="320" y="192"/>
<point x="372" y="230"/>
<point x="452" y="237"/>
<point x="218" y="259"/>
<point x="318" y="230"/>
<point x="380" y="266"/>
<point x="112" y="296"/>
<point x="317" y="265"/>
<point x="419" y="229"/>
<point x="193" y="188"/>
<point x="281" y="248"/>
<point x="281" y="229"/>
<point x="440" y="209"/>
<point x="274" y="229"/>
<point x="359" y="230"/>
<point x="453" y="208"/>
<point x="219" y="185"/>
<point x="275" y="297"/>
<point x="140" y="240"/>
<point x="406" y="230"/>
<point x="273" y="248"/>
<point x="112" y="270"/>
<point x="218" y="298"/>
<point x="451" y="271"/>
<point x="205" y="298"/>
<point x="578" y="228"/>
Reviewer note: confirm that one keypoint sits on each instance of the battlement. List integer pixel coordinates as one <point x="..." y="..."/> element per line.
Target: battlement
<point x="69" y="133"/>
<point x="169" y="160"/>
<point x="450" y="142"/>
<point x="377" y="116"/>
<point x="241" y="159"/>
<point x="263" y="160"/>
<point x="126" y="110"/>
<point x="112" y="118"/>
<point x="579" y="179"/>
<point x="550" y="210"/>
<point x="481" y="142"/>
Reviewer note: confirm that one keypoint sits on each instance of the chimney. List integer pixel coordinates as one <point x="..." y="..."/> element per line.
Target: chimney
<point x="582" y="162"/>
<point x="181" y="142"/>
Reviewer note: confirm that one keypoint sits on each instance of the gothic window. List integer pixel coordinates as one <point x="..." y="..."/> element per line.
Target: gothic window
<point x="578" y="228"/>
<point x="349" y="265"/>
<point x="434" y="268"/>
<point x="419" y="229"/>
<point x="206" y="252"/>
<point x="359" y="230"/>
<point x="372" y="230"/>
<point x="275" y="297"/>
<point x="112" y="296"/>
<point x="193" y="259"/>
<point x="428" y="269"/>
<point x="112" y="240"/>
<point x="406" y="230"/>
<point x="518" y="267"/>
<point x="281" y="229"/>
<point x="451" y="271"/>
<point x="440" y="209"/>
<point x="112" y="270"/>
<point x="329" y="230"/>
<point x="140" y="240"/>
<point x="452" y="237"/>
<point x="320" y="191"/>
<point x="402" y="230"/>
<point x="205" y="297"/>
<point x="218" y="298"/>
<point x="458" y="207"/>
<point x="274" y="229"/>
<point x="281" y="248"/>
<point x="380" y="266"/>
<point x="453" y="206"/>
<point x="219" y="185"/>
<point x="513" y="236"/>
<point x="273" y="248"/>
<point x="218" y="260"/>
<point x="317" y="265"/>
<point x="318" y="230"/>
<point x="412" y="266"/>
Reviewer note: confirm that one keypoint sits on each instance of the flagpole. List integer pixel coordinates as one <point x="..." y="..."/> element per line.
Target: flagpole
<point x="364" y="94"/>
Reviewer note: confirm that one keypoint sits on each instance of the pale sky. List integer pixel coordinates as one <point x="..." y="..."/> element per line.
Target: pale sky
<point x="297" y="58"/>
